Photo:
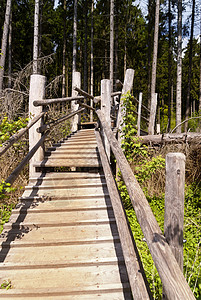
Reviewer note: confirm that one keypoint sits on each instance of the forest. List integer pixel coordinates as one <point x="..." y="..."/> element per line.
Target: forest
<point x="161" y="41"/>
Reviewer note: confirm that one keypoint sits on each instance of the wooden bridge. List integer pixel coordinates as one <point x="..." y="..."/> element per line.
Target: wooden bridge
<point x="69" y="237"/>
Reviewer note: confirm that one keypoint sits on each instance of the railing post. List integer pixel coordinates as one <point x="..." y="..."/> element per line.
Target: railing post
<point x="106" y="107"/>
<point x="127" y="86"/>
<point x="174" y="205"/>
<point x="139" y="114"/>
<point x="152" y="115"/>
<point x="37" y="92"/>
<point x="74" y="106"/>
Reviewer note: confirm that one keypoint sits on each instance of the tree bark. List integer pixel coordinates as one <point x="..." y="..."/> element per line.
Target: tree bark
<point x="179" y="66"/>
<point x="36" y="37"/>
<point x="74" y="37"/>
<point x="111" y="42"/>
<point x="4" y="41"/>
<point x="155" y="52"/>
<point x="190" y="67"/>
<point x="169" y="64"/>
<point x="92" y="58"/>
<point x="85" y="87"/>
<point x="64" y="54"/>
<point x="189" y="137"/>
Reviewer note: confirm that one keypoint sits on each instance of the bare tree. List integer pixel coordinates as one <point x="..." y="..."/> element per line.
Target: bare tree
<point x="111" y="42"/>
<point x="190" y="66"/>
<point x="92" y="58"/>
<point x="155" y="53"/>
<point x="64" y="53"/>
<point x="74" y="37"/>
<point x="169" y="64"/>
<point x="4" y="41"/>
<point x="36" y="37"/>
<point x="179" y="66"/>
<point x="85" y="46"/>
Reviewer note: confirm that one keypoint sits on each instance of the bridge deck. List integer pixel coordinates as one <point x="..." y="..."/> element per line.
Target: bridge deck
<point x="62" y="241"/>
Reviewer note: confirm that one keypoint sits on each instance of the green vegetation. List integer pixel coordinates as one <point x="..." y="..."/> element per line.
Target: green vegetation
<point x="8" y="128"/>
<point x="6" y="285"/>
<point x="149" y="169"/>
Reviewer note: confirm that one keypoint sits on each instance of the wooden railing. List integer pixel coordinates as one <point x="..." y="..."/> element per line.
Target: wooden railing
<point x="174" y="283"/>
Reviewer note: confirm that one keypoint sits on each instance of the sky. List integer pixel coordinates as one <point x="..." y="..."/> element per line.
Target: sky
<point x="186" y="14"/>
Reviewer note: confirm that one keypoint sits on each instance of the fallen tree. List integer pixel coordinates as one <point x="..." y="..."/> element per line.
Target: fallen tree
<point x="190" y="137"/>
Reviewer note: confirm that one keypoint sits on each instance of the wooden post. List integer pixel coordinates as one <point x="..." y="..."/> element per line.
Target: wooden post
<point x="127" y="86"/>
<point x="105" y="108"/>
<point x="139" y="114"/>
<point x="37" y="91"/>
<point x="174" y="205"/>
<point x="152" y="115"/>
<point x="74" y="106"/>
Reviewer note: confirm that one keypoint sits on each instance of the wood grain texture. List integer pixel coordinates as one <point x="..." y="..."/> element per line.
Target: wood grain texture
<point x="171" y="276"/>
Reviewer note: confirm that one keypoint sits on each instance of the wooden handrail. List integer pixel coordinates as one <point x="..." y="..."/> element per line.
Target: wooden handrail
<point x="137" y="278"/>
<point x="137" y="101"/>
<point x="171" y="276"/>
<point x="13" y="176"/>
<point x="96" y="99"/>
<point x="56" y="100"/>
<point x="19" y="134"/>
<point x="145" y="119"/>
<point x="58" y="121"/>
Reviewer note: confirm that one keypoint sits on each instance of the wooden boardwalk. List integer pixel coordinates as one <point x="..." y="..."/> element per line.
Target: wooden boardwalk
<point x="62" y="240"/>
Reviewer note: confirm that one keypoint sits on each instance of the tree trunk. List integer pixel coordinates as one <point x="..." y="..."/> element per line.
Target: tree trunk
<point x="92" y="59"/>
<point x="74" y="37"/>
<point x="4" y="42"/>
<point x="169" y="64"/>
<point x="36" y="37"/>
<point x="179" y="66"/>
<point x="190" y="67"/>
<point x="155" y="52"/>
<point x="64" y="54"/>
<point x="85" y="47"/>
<point x="10" y="53"/>
<point x="149" y="54"/>
<point x="111" y="42"/>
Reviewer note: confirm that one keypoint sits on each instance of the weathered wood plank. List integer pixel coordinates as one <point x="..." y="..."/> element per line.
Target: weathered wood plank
<point x="131" y="256"/>
<point x="56" y="100"/>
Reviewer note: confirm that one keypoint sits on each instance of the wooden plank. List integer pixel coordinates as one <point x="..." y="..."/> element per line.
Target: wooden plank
<point x="91" y="278"/>
<point x="171" y="276"/>
<point x="56" y="100"/>
<point x="120" y="294"/>
<point x="174" y="204"/>
<point x="69" y="193"/>
<point x="131" y="256"/>
<point x="77" y="162"/>
<point x="65" y="235"/>
<point x="69" y="255"/>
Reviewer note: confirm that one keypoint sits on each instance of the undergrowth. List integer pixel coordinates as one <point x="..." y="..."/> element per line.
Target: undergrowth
<point x="149" y="169"/>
